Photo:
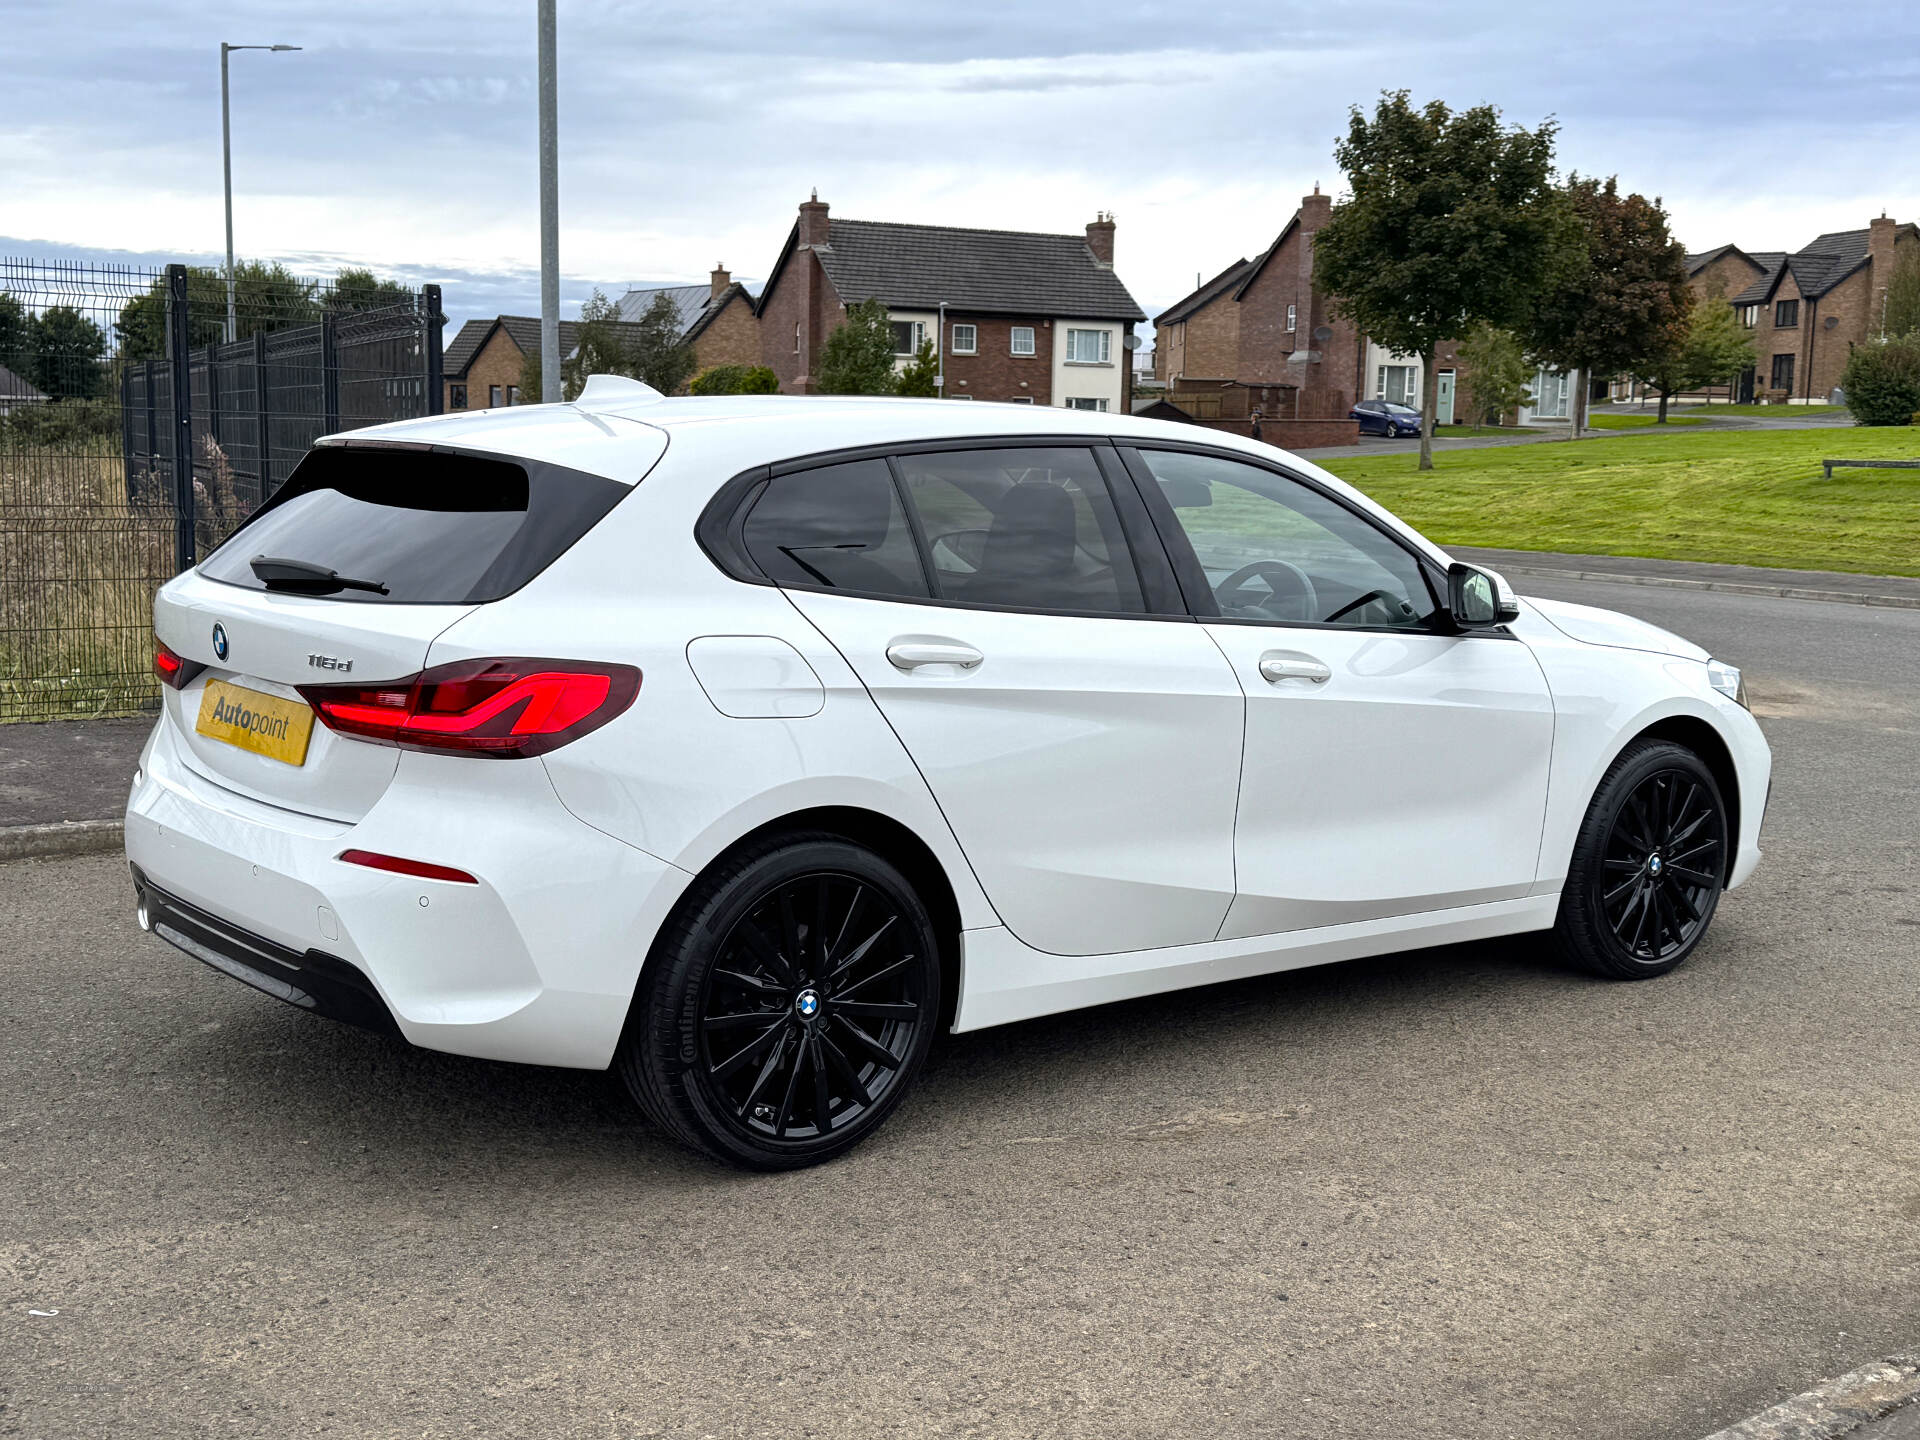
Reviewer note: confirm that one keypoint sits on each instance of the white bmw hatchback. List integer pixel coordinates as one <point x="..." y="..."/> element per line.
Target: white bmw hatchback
<point x="741" y="743"/>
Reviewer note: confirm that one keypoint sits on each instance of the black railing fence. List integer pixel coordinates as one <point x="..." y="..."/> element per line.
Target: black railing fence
<point x="143" y="417"/>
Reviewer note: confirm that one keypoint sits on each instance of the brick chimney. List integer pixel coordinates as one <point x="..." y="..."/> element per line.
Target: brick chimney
<point x="1880" y="257"/>
<point x="718" y="282"/>
<point x="1315" y="210"/>
<point x="1100" y="239"/>
<point x="813" y="221"/>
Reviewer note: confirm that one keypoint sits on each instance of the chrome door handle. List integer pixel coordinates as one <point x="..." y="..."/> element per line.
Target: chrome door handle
<point x="1275" y="668"/>
<point x="912" y="654"/>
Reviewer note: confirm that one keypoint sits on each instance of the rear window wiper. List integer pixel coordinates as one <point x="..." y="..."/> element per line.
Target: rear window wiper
<point x="307" y="578"/>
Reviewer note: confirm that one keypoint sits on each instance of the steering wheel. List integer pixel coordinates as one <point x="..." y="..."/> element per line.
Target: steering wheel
<point x="1283" y="581"/>
<point x="1367" y="599"/>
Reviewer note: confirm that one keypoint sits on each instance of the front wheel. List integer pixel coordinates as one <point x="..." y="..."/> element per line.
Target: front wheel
<point x="1648" y="866"/>
<point x="787" y="1006"/>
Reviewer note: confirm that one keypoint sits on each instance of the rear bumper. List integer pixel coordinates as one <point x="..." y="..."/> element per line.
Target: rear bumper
<point x="536" y="962"/>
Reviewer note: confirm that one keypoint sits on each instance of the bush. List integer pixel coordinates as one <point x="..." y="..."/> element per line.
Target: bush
<point x="1882" y="381"/>
<point x="736" y="380"/>
<point x="62" y="424"/>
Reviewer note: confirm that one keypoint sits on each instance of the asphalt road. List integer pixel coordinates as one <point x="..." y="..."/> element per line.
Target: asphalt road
<point x="1457" y="1193"/>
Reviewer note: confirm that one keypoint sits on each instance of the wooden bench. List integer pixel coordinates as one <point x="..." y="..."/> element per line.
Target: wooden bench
<point x="1829" y="466"/>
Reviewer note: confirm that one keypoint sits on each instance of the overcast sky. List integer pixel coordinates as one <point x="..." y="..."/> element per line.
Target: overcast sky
<point x="403" y="135"/>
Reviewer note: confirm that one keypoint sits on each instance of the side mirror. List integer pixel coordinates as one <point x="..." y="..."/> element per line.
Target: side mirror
<point x="1479" y="599"/>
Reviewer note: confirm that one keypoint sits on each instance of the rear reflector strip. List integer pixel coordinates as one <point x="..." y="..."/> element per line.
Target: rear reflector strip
<point x="374" y="860"/>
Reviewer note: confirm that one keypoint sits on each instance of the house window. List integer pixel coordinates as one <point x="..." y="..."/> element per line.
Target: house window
<point x="1089" y="347"/>
<point x="1749" y="316"/>
<point x="456" y="397"/>
<point x="513" y="394"/>
<point x="965" y="339"/>
<point x="1021" y="399"/>
<point x="907" y="335"/>
<point x="1552" y="394"/>
<point x="962" y="395"/>
<point x="1399" y="384"/>
<point x="493" y="397"/>
<point x="1023" y="339"/>
<point x="1782" y="377"/>
<point x="1290" y="313"/>
<point x="1786" y="314"/>
<point x="1081" y="402"/>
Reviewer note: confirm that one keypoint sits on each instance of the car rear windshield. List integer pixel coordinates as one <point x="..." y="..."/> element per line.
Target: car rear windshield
<point x="415" y="527"/>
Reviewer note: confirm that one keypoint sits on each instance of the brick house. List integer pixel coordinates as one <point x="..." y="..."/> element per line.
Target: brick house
<point x="1260" y="334"/>
<point x="1810" y="310"/>
<point x="1715" y="277"/>
<point x="716" y="318"/>
<point x="1014" y="316"/>
<point x="483" y="363"/>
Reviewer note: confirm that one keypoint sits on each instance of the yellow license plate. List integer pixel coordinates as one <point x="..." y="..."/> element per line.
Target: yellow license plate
<point x="256" y="721"/>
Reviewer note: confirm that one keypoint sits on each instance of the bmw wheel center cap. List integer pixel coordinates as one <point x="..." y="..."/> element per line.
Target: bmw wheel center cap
<point x="1653" y="864"/>
<point x="220" y="641"/>
<point x="807" y="1003"/>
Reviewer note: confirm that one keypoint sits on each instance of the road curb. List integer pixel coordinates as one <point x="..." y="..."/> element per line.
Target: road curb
<point x="67" y="837"/>
<point x="1835" y="1407"/>
<point x="1729" y="587"/>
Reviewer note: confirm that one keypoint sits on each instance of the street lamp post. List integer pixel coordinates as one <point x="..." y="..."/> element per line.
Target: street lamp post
<point x="226" y="161"/>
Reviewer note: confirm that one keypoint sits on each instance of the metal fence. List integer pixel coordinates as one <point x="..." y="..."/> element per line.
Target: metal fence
<point x="143" y="415"/>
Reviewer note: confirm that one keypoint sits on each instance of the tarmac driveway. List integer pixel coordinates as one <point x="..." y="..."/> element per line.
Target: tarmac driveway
<point x="1456" y="1193"/>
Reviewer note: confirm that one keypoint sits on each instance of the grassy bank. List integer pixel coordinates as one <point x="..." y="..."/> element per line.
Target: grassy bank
<point x="1636" y="422"/>
<point x="1752" y="497"/>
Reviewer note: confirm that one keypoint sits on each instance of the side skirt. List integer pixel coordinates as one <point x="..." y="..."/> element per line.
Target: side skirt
<point x="1003" y="980"/>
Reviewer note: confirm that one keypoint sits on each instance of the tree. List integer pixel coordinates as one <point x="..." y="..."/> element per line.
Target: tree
<point x="16" y="337"/>
<point x="1620" y="297"/>
<point x="918" y="376"/>
<point x="1902" y="315"/>
<point x="736" y="380"/>
<point x="530" y="377"/>
<point x="265" y="297"/>
<point x="69" y="352"/>
<point x="1494" y="374"/>
<point x="857" y="358"/>
<point x="1452" y="222"/>
<point x="660" y="353"/>
<point x="1711" y="348"/>
<point x="599" y="348"/>
<point x="355" y="289"/>
<point x="1882" y="381"/>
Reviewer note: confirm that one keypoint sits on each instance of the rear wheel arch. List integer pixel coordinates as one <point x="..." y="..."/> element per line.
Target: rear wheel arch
<point x="884" y="836"/>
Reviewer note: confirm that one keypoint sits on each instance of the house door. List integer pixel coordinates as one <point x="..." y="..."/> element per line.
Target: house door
<point x="1745" y="394"/>
<point x="1443" y="407"/>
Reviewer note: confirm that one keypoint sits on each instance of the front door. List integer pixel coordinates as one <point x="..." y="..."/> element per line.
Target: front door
<point x="1085" y="750"/>
<point x="1745" y="396"/>
<point x="1390" y="768"/>
<point x="1443" y="407"/>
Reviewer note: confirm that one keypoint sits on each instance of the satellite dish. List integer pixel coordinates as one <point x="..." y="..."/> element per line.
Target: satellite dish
<point x="1323" y="333"/>
<point x="1132" y="342"/>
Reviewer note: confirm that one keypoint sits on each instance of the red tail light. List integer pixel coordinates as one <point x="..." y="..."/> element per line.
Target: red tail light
<point x="509" y="709"/>
<point x="173" y="669"/>
<point x="374" y="860"/>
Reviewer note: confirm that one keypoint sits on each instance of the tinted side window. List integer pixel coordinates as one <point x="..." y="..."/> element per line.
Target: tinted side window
<point x="836" y="528"/>
<point x="1276" y="550"/>
<point x="1033" y="528"/>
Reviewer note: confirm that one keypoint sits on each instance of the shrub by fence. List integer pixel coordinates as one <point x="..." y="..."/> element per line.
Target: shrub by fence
<point x="136" y="433"/>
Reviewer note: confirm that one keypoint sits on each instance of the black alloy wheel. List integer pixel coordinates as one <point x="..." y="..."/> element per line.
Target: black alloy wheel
<point x="1663" y="863"/>
<point x="812" y="1008"/>
<point x="1649" y="864"/>
<point x="787" y="1005"/>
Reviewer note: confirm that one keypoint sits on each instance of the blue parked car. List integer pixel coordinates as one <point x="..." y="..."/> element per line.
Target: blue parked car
<point x="1384" y="417"/>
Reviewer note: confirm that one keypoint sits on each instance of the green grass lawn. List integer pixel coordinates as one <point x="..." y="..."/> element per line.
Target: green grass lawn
<point x="1635" y="422"/>
<point x="1767" y="412"/>
<point x="1474" y="432"/>
<point x="1752" y="497"/>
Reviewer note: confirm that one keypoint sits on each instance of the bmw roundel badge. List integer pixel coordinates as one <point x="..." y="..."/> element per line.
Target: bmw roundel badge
<point x="220" y="641"/>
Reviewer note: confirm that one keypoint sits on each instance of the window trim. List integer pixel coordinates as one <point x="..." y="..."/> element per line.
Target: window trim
<point x="720" y="530"/>
<point x="1105" y="346"/>
<point x="1193" y="579"/>
<point x="1780" y="307"/>
<point x="972" y="347"/>
<point x="1032" y="333"/>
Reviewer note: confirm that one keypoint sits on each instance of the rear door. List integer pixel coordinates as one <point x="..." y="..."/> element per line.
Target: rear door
<point x="422" y="536"/>
<point x="1009" y="610"/>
